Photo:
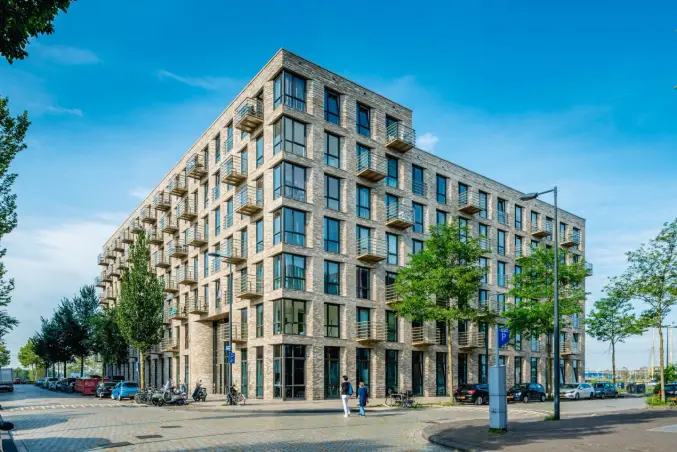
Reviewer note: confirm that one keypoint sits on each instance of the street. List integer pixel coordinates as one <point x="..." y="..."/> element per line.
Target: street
<point x="51" y="421"/>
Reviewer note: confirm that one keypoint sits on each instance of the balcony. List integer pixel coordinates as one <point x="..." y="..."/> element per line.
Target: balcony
<point x="101" y="260"/>
<point x="178" y="185"/>
<point x="135" y="226"/>
<point x="485" y="243"/>
<point x="178" y="251"/>
<point x="115" y="270"/>
<point x="187" y="277"/>
<point x="197" y="305"/>
<point x="110" y="255"/>
<point x="165" y="315"/>
<point x="162" y="260"/>
<point x="126" y="237"/>
<point x="239" y="333"/>
<point x="371" y="249"/>
<point x="196" y="168"/>
<point x="99" y="282"/>
<point x="469" y="340"/>
<point x="249" y="115"/>
<point x="399" y="216"/>
<point x="232" y="170"/>
<point x="169" y="224"/>
<point x="177" y="311"/>
<point x="111" y="294"/>
<point x="148" y="215"/>
<point x="187" y="211"/>
<point x="502" y="217"/>
<point x="541" y="229"/>
<point x="162" y="201"/>
<point x="170" y="344"/>
<point x="371" y="166"/>
<point x="370" y="331"/>
<point x="567" y="349"/>
<point x="155" y="350"/>
<point x="169" y="285"/>
<point x="570" y="239"/>
<point x="249" y="288"/>
<point x="249" y="200"/>
<point x="106" y="277"/>
<point x="233" y="252"/>
<point x="154" y="237"/>
<point x="391" y="295"/>
<point x="400" y="137"/>
<point x="469" y="202"/>
<point x="118" y="245"/>
<point x="194" y="237"/>
<point x="422" y="336"/>
<point x="588" y="269"/>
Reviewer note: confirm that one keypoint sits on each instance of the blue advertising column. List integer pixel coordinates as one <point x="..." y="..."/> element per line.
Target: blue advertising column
<point x="498" y="402"/>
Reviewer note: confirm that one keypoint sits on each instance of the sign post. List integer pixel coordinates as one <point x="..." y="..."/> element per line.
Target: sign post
<point x="498" y="403"/>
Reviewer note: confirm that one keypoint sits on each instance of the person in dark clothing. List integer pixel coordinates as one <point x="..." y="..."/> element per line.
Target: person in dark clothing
<point x="346" y="392"/>
<point x="362" y="397"/>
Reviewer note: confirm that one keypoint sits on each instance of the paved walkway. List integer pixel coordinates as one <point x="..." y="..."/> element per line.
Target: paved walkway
<point x="638" y="430"/>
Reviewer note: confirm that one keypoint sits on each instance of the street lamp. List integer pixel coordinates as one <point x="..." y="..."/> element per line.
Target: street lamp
<point x="221" y="256"/>
<point x="529" y="197"/>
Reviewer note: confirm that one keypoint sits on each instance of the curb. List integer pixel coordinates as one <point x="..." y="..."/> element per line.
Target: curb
<point x="449" y="444"/>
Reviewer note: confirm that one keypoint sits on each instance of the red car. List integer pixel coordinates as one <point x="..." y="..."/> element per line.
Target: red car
<point x="17" y="381"/>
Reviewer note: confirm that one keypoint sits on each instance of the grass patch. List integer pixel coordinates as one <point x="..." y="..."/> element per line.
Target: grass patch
<point x="498" y="431"/>
<point x="549" y="417"/>
<point x="441" y="404"/>
<point x="655" y="401"/>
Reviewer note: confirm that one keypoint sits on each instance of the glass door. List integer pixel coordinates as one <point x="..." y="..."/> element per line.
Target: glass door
<point x="417" y="373"/>
<point x="332" y="372"/>
<point x="362" y="358"/>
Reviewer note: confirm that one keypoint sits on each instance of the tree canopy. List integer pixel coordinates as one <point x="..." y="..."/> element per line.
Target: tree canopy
<point x="106" y="339"/>
<point x="29" y="358"/>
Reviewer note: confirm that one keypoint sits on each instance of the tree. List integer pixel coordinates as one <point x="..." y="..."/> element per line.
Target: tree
<point x="533" y="287"/>
<point x="85" y="305"/>
<point x="611" y="321"/>
<point x="69" y="332"/>
<point x="4" y="356"/>
<point x="139" y="312"/>
<point x="12" y="135"/>
<point x="29" y="358"/>
<point x="441" y="283"/>
<point x="107" y="340"/>
<point x="21" y="20"/>
<point x="651" y="277"/>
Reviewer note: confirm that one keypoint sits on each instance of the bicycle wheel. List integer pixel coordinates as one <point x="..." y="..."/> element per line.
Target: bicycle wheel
<point x="388" y="401"/>
<point x="241" y="400"/>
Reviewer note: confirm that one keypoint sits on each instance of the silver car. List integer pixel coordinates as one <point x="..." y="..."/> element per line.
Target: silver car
<point x="50" y="383"/>
<point x="577" y="391"/>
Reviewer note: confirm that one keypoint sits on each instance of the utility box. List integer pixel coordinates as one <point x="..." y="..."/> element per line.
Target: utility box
<point x="498" y="401"/>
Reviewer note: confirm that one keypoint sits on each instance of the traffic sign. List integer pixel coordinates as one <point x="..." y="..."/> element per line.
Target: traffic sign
<point x="227" y="347"/>
<point x="503" y="336"/>
<point x="231" y="357"/>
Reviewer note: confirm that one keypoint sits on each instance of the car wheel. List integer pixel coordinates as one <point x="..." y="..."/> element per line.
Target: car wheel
<point x="615" y="395"/>
<point x="542" y="398"/>
<point x="525" y="399"/>
<point x="592" y="394"/>
<point x="479" y="400"/>
<point x="112" y="397"/>
<point x="577" y="396"/>
<point x="603" y="396"/>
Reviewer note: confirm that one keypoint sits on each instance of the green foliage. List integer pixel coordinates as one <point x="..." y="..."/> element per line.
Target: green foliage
<point x="21" y="20"/>
<point x="106" y="339"/>
<point x="29" y="358"/>
<point x="653" y="401"/>
<point x="4" y="356"/>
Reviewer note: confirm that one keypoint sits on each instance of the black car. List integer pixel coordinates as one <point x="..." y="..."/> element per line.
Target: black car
<point x="605" y="389"/>
<point x="526" y="392"/>
<point x="472" y="393"/>
<point x="105" y="389"/>
<point x="64" y="383"/>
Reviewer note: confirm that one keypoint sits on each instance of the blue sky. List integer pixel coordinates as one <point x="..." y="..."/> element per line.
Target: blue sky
<point x="529" y="93"/>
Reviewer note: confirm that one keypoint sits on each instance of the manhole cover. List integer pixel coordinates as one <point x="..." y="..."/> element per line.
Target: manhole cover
<point x="149" y="436"/>
<point x="111" y="445"/>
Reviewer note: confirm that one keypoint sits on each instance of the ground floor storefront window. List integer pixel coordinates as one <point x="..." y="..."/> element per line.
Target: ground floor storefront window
<point x="363" y="356"/>
<point x="289" y="371"/>
<point x="391" y="371"/>
<point x="441" y="374"/>
<point x="332" y="372"/>
<point x="417" y="373"/>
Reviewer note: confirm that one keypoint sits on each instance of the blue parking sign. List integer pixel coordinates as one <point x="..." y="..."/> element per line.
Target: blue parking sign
<point x="231" y="357"/>
<point x="503" y="336"/>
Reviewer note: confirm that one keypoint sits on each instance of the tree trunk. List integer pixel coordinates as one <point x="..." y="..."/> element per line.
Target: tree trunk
<point x="142" y="365"/>
<point x="661" y="360"/>
<point x="450" y="361"/>
<point x="82" y="366"/>
<point x="613" y="362"/>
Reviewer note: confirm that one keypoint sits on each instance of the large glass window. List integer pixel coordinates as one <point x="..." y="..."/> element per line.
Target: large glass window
<point x="417" y="373"/>
<point x="244" y="372"/>
<point x="259" y="151"/>
<point x="416" y="246"/>
<point x="289" y="317"/>
<point x="441" y="185"/>
<point x="332" y="192"/>
<point x="518" y="217"/>
<point x="259" y="236"/>
<point x="484" y="263"/>
<point x="391" y="371"/>
<point x="289" y="226"/>
<point x="228" y="221"/>
<point x="441" y="374"/>
<point x="500" y="242"/>
<point x="289" y="377"/>
<point x="289" y="271"/>
<point x="259" y="372"/>
<point x="500" y="274"/>
<point x="534" y="370"/>
<point x="518" y="370"/>
<point x="259" y="320"/>
<point x="463" y="229"/>
<point x="290" y="90"/>
<point x="332" y="278"/>
<point x="362" y="357"/>
<point x="484" y="204"/>
<point x="332" y="107"/>
<point x="363" y="120"/>
<point x="519" y="248"/>
<point x="441" y="217"/>
<point x="392" y="178"/>
<point x="332" y="151"/>
<point x="392" y="245"/>
<point x="392" y="326"/>
<point x="462" y="369"/>
<point x="332" y="320"/>
<point x="363" y="196"/>
<point x="417" y="184"/>
<point x="289" y="135"/>
<point x="363" y="283"/>
<point x="332" y="372"/>
<point x="332" y="235"/>
<point x="289" y="181"/>
<point x="418" y="217"/>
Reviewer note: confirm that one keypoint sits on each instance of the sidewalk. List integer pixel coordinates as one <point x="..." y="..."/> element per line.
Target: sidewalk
<point x="638" y="430"/>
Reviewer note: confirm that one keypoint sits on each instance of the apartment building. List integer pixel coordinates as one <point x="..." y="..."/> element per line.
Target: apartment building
<point x="312" y="187"/>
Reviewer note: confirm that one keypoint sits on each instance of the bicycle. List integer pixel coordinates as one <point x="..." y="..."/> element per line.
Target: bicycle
<point x="235" y="397"/>
<point x="403" y="399"/>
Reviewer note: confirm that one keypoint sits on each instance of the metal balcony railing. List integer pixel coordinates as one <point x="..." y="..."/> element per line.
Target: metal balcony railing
<point x="197" y="305"/>
<point x="101" y="260"/>
<point x="370" y="331"/>
<point x="469" y="202"/>
<point x="135" y="226"/>
<point x="177" y="311"/>
<point x="248" y="200"/>
<point x="178" y="185"/>
<point x="570" y="239"/>
<point x="162" y="201"/>
<point x="109" y="254"/>
<point x="233" y="171"/>
<point x="371" y="166"/>
<point x="419" y="188"/>
<point x="187" y="210"/>
<point x="249" y="288"/>
<point x="170" y="344"/>
<point x="111" y="294"/>
<point x="154" y="237"/>
<point x="249" y="115"/>
<point x="162" y="260"/>
<point x="148" y="215"/>
<point x="169" y="285"/>
<point x="197" y="167"/>
<point x="102" y="300"/>
<point x="118" y="245"/>
<point x="588" y="269"/>
<point x="240" y="332"/>
<point x="187" y="277"/>
<point x="216" y="193"/>
<point x="425" y="335"/>
<point x="473" y="339"/>
<point x="502" y="217"/>
<point x="233" y="251"/>
<point x="541" y="229"/>
<point x="115" y="270"/>
<point x="168" y="224"/>
<point x="399" y="216"/>
<point x="371" y="249"/>
<point x="485" y="243"/>
<point x="400" y="137"/>
<point x="106" y="276"/>
<point x="178" y="250"/>
<point x="195" y="236"/>
<point x="391" y="294"/>
<point x="126" y="237"/>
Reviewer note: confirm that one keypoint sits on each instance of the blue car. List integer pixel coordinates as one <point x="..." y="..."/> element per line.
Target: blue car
<point x="124" y="389"/>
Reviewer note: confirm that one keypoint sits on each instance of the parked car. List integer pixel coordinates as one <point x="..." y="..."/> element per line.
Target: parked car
<point x="603" y="390"/>
<point x="39" y="382"/>
<point x="472" y="393"/>
<point x="124" y="389"/>
<point x="66" y="384"/>
<point x="670" y="392"/>
<point x="51" y="383"/>
<point x="526" y="392"/>
<point x="105" y="389"/>
<point x="577" y="391"/>
<point x="17" y="381"/>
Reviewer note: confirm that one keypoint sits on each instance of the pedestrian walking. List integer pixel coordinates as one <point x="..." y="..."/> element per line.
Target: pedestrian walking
<point x="346" y="392"/>
<point x="362" y="397"/>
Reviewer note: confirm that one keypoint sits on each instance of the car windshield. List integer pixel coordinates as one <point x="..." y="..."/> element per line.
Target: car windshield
<point x="569" y="386"/>
<point x="130" y="385"/>
<point x="466" y="387"/>
<point x="518" y="387"/>
<point x="109" y="385"/>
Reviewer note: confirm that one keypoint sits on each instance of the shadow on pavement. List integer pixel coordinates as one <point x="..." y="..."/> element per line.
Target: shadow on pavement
<point x="313" y="444"/>
<point x="475" y="435"/>
<point x="59" y="444"/>
<point x="24" y="423"/>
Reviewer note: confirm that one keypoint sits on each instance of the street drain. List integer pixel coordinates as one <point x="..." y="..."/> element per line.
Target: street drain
<point x="149" y="436"/>
<point x="111" y="445"/>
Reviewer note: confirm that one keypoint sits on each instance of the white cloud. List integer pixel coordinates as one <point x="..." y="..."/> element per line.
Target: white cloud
<point x="208" y="83"/>
<point x="139" y="192"/>
<point x="427" y="141"/>
<point x="66" y="54"/>
<point x="63" y="111"/>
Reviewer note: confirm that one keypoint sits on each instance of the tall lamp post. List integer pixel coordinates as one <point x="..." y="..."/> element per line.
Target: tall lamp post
<point x="529" y="197"/>
<point x="229" y="375"/>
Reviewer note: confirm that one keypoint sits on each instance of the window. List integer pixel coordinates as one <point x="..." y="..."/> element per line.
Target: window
<point x="243" y="242"/>
<point x="289" y="317"/>
<point x="332" y="192"/>
<point x="332" y="151"/>
<point x="483" y="231"/>
<point x="500" y="274"/>
<point x="500" y="301"/>
<point x="332" y="320"/>
<point x="518" y="370"/>
<point x="441" y="185"/>
<point x="441" y="374"/>
<point x="332" y="372"/>
<point x="392" y="249"/>
<point x="289" y="136"/>
<point x="259" y="372"/>
<point x="501" y="216"/>
<point x="500" y="242"/>
<point x="244" y="374"/>
<point x="362" y="356"/>
<point x="363" y="202"/>
<point x="391" y="371"/>
<point x="205" y="264"/>
<point x="217" y="148"/>
<point x="289" y="226"/>
<point x="441" y="217"/>
<point x="519" y="247"/>
<point x="484" y="204"/>
<point x="291" y="384"/>
<point x="259" y="151"/>
<point x="332" y="235"/>
<point x="483" y="296"/>
<point x="205" y="191"/>
<point x="534" y="370"/>
<point x="418" y="217"/>
<point x="363" y="120"/>
<point x="562" y="231"/>
<point x="217" y="221"/>
<point x="576" y="236"/>
<point x="535" y="344"/>
<point x="391" y="204"/>
<point x="462" y="369"/>
<point x="417" y="184"/>
<point x="463" y="229"/>
<point x="482" y="371"/>
<point x="217" y="292"/>
<point x="575" y="320"/>
<point x="518" y="341"/>
<point x="417" y="373"/>
<point x="574" y="342"/>
<point x="332" y="107"/>
<point x="290" y="90"/>
<point x="186" y="336"/>
<point x="289" y="271"/>
<point x="574" y="368"/>
<point x="259" y="320"/>
<point x="518" y="218"/>
<point x="332" y="278"/>
<point x="392" y="176"/>
<point x="229" y="213"/>
<point x="289" y="181"/>
<point x="416" y="246"/>
<point x="363" y="283"/>
<point x="391" y="325"/>
<point x="244" y="162"/>
<point x="259" y="236"/>
<point x="484" y="263"/>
